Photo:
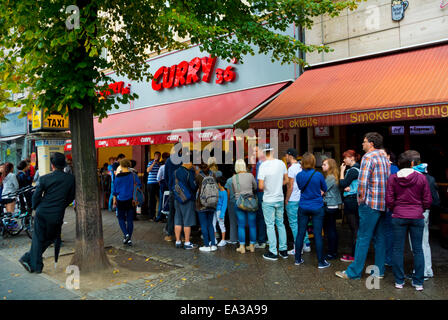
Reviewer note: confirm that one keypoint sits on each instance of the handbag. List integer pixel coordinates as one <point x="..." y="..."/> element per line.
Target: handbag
<point x="247" y="201"/>
<point x="138" y="195"/>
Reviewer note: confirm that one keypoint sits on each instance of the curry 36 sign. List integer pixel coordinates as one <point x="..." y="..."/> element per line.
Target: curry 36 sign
<point x="186" y="73"/>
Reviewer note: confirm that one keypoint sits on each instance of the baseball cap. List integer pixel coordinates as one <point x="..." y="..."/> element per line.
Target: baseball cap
<point x="292" y="152"/>
<point x="267" y="147"/>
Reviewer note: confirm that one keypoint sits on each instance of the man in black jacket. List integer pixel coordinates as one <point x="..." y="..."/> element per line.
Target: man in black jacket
<point x="53" y="194"/>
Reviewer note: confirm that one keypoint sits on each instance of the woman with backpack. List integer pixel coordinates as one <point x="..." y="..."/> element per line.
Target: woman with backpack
<point x="349" y="184"/>
<point x="206" y="203"/>
<point x="123" y="200"/>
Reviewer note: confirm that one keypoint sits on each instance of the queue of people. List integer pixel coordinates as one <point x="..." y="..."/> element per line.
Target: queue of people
<point x="382" y="203"/>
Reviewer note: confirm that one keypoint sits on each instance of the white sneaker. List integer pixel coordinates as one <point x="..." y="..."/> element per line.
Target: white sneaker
<point x="292" y="252"/>
<point x="222" y="243"/>
<point x="213" y="248"/>
<point x="260" y="246"/>
<point x="205" y="249"/>
<point x="307" y="248"/>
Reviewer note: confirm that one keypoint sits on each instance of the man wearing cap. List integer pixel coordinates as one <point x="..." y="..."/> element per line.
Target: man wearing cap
<point x="53" y="194"/>
<point x="271" y="178"/>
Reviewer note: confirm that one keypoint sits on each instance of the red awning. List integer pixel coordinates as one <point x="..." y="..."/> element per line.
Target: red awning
<point x="154" y="125"/>
<point x="397" y="86"/>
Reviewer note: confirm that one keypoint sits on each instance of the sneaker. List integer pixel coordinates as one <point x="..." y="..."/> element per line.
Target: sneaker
<point x="126" y="239"/>
<point x="190" y="246"/>
<point x="342" y="274"/>
<point x="270" y="256"/>
<point x="298" y="263"/>
<point x="331" y="257"/>
<point x="292" y="252"/>
<point x="232" y="242"/>
<point x="213" y="248"/>
<point x="25" y="265"/>
<point x="347" y="258"/>
<point x="222" y="243"/>
<point x="307" y="248"/>
<point x="129" y="243"/>
<point x="283" y="254"/>
<point x="399" y="286"/>
<point x="324" y="264"/>
<point x="179" y="245"/>
<point x="168" y="238"/>
<point x="205" y="249"/>
<point x="260" y="246"/>
<point x="417" y="287"/>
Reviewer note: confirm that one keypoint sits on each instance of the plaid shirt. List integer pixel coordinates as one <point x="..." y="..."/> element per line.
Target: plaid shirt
<point x="373" y="175"/>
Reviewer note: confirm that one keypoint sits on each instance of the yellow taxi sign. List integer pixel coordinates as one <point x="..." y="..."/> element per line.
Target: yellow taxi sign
<point x="54" y="122"/>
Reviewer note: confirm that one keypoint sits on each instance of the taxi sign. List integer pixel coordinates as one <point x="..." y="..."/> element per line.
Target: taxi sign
<point x="53" y="122"/>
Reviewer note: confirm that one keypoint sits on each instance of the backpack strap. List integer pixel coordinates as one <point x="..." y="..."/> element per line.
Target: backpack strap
<point x="306" y="185"/>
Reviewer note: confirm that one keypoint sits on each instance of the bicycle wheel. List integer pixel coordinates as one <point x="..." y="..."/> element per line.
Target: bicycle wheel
<point x="15" y="231"/>
<point x="29" y="226"/>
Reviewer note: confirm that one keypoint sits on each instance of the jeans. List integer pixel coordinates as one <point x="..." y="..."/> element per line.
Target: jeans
<point x="415" y="227"/>
<point x="261" y="224"/>
<point x="273" y="215"/>
<point x="153" y="193"/>
<point x="233" y="221"/>
<point x="162" y="189"/>
<point x="318" y="219"/>
<point x="244" y="217"/>
<point x="426" y="248"/>
<point x="206" y="221"/>
<point x="352" y="214"/>
<point x="292" y="209"/>
<point x="371" y="223"/>
<point x="126" y="221"/>
<point x="111" y="198"/>
<point x="330" y="230"/>
<point x="389" y="238"/>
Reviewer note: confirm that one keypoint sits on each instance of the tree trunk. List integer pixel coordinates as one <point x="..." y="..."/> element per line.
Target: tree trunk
<point x="89" y="248"/>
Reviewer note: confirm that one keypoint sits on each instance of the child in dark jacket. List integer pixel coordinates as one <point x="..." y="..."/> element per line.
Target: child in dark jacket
<point x="408" y="196"/>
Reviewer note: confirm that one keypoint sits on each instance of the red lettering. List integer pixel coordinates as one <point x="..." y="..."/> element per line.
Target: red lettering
<point x="181" y="71"/>
<point x="208" y="64"/>
<point x="229" y="75"/>
<point x="168" y="77"/>
<point x="219" y="76"/>
<point x="193" y="69"/>
<point x="155" y="80"/>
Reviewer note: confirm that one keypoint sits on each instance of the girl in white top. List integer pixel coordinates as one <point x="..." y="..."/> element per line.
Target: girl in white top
<point x="10" y="185"/>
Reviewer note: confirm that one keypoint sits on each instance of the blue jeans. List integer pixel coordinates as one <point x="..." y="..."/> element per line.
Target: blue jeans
<point x="389" y="238"/>
<point x="371" y="223"/>
<point x="273" y="215"/>
<point x="208" y="232"/>
<point x="244" y="217"/>
<point x="126" y="221"/>
<point x="318" y="220"/>
<point x="261" y="225"/>
<point x="415" y="227"/>
<point x="292" y="208"/>
<point x="111" y="198"/>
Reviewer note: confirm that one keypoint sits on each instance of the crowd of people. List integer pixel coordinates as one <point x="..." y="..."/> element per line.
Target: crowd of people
<point x="382" y="202"/>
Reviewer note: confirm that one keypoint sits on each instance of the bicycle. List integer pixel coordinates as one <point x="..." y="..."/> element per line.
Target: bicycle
<point x="21" y="219"/>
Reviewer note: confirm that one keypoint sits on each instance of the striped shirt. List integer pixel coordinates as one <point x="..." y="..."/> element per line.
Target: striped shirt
<point x="152" y="175"/>
<point x="373" y="175"/>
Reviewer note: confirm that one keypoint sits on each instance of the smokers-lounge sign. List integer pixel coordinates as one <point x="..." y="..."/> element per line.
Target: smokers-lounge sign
<point x="156" y="139"/>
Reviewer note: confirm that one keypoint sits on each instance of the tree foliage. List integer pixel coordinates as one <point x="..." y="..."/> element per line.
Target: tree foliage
<point x="59" y="67"/>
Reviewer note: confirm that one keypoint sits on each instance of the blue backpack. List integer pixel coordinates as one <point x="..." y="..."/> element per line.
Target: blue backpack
<point x="353" y="186"/>
<point x="181" y="192"/>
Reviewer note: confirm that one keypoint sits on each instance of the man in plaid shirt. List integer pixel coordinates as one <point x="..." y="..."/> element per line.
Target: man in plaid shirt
<point x="373" y="175"/>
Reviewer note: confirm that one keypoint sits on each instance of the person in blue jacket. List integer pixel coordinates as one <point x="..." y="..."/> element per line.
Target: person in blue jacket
<point x="312" y="187"/>
<point x="123" y="193"/>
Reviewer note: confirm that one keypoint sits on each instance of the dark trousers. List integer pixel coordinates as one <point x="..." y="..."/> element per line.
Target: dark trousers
<point x="169" y="228"/>
<point x="318" y="218"/>
<point x="45" y="233"/>
<point x="261" y="224"/>
<point x="330" y="230"/>
<point x="153" y="193"/>
<point x="126" y="220"/>
<point x="352" y="214"/>
<point x="208" y="232"/>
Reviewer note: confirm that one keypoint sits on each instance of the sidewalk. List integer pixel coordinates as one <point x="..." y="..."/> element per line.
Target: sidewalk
<point x="224" y="274"/>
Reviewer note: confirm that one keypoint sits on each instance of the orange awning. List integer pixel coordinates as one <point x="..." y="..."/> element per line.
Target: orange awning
<point x="397" y="86"/>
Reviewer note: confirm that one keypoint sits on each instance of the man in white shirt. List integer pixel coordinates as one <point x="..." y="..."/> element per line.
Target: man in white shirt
<point x="272" y="176"/>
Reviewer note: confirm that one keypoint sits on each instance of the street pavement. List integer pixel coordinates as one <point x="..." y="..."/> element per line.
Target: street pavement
<point x="221" y="275"/>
